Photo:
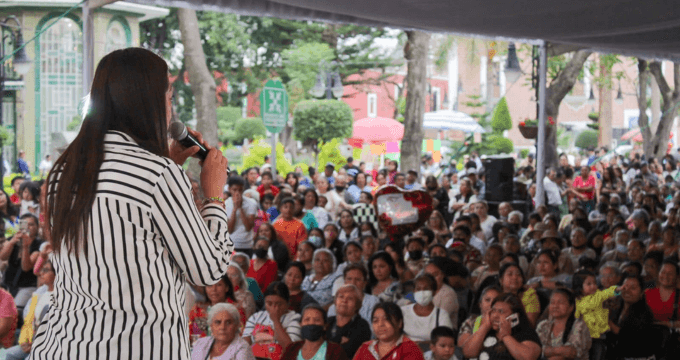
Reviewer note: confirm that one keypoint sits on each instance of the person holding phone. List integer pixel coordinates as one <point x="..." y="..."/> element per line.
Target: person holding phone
<point x="504" y="333"/>
<point x="21" y="252"/>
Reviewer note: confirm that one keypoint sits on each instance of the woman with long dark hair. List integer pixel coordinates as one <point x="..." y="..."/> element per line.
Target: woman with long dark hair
<point x="126" y="232"/>
<point x="562" y="335"/>
<point x="505" y="332"/>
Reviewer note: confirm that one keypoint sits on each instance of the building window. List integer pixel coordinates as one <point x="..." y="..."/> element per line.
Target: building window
<point x="436" y="98"/>
<point x="60" y="81"/>
<point x="372" y="105"/>
<point x="118" y="34"/>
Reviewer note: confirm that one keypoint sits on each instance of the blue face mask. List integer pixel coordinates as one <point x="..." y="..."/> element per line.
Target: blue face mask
<point x="623" y="249"/>
<point x="316" y="241"/>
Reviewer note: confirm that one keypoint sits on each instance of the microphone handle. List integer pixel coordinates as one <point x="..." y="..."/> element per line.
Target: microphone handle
<point x="190" y="141"/>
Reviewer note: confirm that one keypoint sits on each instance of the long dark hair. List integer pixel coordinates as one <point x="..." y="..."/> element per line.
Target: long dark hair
<point x="128" y="95"/>
<point x="570" y="321"/>
<point x="578" y="279"/>
<point x="387" y="258"/>
<point x="10" y="209"/>
<point x="230" y="291"/>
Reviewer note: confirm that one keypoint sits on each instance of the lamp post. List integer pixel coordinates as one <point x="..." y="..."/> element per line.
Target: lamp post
<point x="332" y="87"/>
<point x="21" y="64"/>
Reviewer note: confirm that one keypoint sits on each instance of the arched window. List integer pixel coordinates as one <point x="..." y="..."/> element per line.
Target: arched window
<point x="118" y="35"/>
<point x="58" y="78"/>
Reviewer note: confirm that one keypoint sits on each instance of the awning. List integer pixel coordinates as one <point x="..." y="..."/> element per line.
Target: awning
<point x="642" y="28"/>
<point x="451" y="120"/>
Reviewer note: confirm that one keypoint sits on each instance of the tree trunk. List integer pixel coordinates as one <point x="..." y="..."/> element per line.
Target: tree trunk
<point x="643" y="120"/>
<point x="606" y="102"/>
<point x="415" y="53"/>
<point x="658" y="146"/>
<point x="559" y="88"/>
<point x="202" y="81"/>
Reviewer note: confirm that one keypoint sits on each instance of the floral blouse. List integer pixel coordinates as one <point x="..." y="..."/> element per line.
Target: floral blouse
<point x="579" y="337"/>
<point x="321" y="291"/>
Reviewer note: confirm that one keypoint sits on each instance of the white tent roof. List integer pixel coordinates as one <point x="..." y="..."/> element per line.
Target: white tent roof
<point x="645" y="28"/>
<point x="451" y="120"/>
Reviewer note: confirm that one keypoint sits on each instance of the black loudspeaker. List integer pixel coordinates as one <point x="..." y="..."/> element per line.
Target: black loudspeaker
<point x="499" y="178"/>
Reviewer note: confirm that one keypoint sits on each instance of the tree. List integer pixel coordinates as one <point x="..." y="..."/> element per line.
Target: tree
<point x="226" y="123"/>
<point x="563" y="81"/>
<point x="202" y="82"/>
<point x="250" y="128"/>
<point x="316" y="121"/>
<point x="501" y="120"/>
<point x="656" y="143"/>
<point x="300" y="64"/>
<point x="501" y="145"/>
<point x="416" y="54"/>
<point x="587" y="139"/>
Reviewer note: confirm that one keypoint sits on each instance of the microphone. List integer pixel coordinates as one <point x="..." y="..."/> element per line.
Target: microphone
<point x="179" y="132"/>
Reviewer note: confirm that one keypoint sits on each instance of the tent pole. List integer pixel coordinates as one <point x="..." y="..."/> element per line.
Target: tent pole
<point x="540" y="157"/>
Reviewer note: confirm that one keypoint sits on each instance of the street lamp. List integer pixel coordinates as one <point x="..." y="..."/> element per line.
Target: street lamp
<point x="21" y="64"/>
<point x="332" y="87"/>
<point x="512" y="69"/>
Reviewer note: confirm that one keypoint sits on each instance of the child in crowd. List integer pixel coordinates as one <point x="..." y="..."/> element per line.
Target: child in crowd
<point x="442" y="344"/>
<point x="589" y="307"/>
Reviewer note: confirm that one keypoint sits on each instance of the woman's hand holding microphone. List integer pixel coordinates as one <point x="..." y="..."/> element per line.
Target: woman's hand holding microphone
<point x="214" y="166"/>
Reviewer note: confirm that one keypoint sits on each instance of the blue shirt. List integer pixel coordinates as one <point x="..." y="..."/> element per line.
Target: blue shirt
<point x="23" y="166"/>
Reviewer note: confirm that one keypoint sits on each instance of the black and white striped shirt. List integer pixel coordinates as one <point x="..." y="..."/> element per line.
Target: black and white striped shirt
<point x="125" y="298"/>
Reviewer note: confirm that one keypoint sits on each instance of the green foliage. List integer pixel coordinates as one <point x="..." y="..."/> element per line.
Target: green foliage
<point x="401" y="107"/>
<point x="227" y="116"/>
<point x="564" y="138"/>
<point x="329" y="152"/>
<point x="501" y="145"/>
<point x="6" y="136"/>
<point x="501" y="120"/>
<point x="593" y="126"/>
<point x="74" y="125"/>
<point x="479" y="113"/>
<point x="523" y="153"/>
<point x="301" y="65"/>
<point x="594" y="116"/>
<point x="259" y="149"/>
<point x="249" y="128"/>
<point x="315" y="121"/>
<point x="587" y="139"/>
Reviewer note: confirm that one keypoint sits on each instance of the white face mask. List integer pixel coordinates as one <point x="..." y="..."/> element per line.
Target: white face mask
<point x="423" y="298"/>
<point x="366" y="233"/>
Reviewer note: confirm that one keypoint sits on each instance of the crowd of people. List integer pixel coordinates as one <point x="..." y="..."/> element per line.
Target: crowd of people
<point x="592" y="273"/>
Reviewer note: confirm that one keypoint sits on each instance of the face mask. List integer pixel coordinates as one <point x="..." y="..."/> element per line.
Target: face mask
<point x="415" y="255"/>
<point x="423" y="298"/>
<point x="339" y="189"/>
<point x="315" y="240"/>
<point x="623" y="249"/>
<point x="312" y="332"/>
<point x="260" y="253"/>
<point x="366" y="233"/>
<point x="432" y="187"/>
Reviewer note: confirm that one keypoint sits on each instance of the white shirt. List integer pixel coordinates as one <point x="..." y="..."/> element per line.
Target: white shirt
<point x="45" y="165"/>
<point x="553" y="192"/>
<point x="289" y="320"/>
<point x="124" y="297"/>
<point x="366" y="310"/>
<point x="487" y="226"/>
<point x="242" y="239"/>
<point x="418" y="328"/>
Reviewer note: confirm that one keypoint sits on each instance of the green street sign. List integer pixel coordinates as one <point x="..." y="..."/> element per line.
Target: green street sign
<point x="274" y="106"/>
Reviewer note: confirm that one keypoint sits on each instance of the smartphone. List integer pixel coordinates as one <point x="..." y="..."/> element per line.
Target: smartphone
<point x="514" y="319"/>
<point x="23" y="225"/>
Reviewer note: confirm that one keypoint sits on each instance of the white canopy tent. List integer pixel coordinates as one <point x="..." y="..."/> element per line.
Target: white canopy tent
<point x="640" y="28"/>
<point x="451" y="120"/>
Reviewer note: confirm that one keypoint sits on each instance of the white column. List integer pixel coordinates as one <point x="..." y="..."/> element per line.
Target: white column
<point x="540" y="157"/>
<point x="483" y="62"/>
<point x="453" y="75"/>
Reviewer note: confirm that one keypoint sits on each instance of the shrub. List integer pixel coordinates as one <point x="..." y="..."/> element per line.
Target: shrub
<point x="501" y="120"/>
<point x="587" y="139"/>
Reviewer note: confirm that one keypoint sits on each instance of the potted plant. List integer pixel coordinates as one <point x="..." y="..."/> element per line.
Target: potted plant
<point x="529" y="127"/>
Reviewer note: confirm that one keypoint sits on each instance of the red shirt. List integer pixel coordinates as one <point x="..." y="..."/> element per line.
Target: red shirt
<point x="261" y="190"/>
<point x="265" y="275"/>
<point x="579" y="183"/>
<point x="8" y="310"/>
<point x="15" y="199"/>
<point x="405" y="350"/>
<point x="291" y="232"/>
<point x="663" y="311"/>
